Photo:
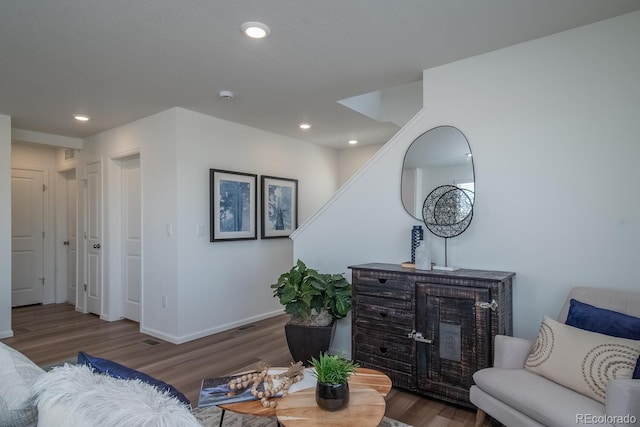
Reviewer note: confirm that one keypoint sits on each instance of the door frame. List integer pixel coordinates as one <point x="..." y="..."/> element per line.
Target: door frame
<point x="112" y="304"/>
<point x="113" y="236"/>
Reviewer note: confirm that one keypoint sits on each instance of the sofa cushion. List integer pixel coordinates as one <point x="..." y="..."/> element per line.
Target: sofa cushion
<point x="74" y="395"/>
<point x="603" y="321"/>
<point x="535" y="396"/>
<point x="581" y="360"/>
<point x="116" y="370"/>
<point x="17" y="373"/>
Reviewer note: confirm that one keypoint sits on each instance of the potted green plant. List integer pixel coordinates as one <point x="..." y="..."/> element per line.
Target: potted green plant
<point x="332" y="373"/>
<point x="314" y="301"/>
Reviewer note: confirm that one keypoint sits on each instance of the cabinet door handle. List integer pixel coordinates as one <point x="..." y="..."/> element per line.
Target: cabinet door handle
<point x="493" y="305"/>
<point x="420" y="338"/>
<point x="383" y="349"/>
<point x="383" y="281"/>
<point x="417" y="336"/>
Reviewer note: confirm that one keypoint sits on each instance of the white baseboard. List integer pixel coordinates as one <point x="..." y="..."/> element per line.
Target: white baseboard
<point x="206" y="332"/>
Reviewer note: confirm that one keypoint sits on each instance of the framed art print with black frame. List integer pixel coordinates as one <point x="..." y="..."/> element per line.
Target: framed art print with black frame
<point x="279" y="213"/>
<point x="233" y="205"/>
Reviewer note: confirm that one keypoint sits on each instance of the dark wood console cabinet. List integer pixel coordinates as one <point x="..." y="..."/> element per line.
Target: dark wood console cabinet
<point x="429" y="330"/>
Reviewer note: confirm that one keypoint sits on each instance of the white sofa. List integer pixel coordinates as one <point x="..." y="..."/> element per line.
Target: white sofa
<point x="517" y="397"/>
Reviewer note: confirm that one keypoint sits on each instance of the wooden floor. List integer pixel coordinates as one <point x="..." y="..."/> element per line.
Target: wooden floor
<point x="50" y="333"/>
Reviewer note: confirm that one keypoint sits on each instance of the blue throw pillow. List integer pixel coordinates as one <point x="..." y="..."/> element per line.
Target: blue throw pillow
<point x="116" y="370"/>
<point x="603" y="321"/>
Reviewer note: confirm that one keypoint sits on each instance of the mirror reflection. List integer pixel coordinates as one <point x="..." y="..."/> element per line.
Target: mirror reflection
<point x="440" y="156"/>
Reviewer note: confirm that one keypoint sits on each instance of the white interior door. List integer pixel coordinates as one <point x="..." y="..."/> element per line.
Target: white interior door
<point x="132" y="238"/>
<point x="72" y="236"/>
<point x="27" y="237"/>
<point x="94" y="238"/>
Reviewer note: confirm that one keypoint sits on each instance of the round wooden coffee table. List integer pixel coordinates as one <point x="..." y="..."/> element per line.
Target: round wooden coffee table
<point x="366" y="408"/>
<point x="364" y="377"/>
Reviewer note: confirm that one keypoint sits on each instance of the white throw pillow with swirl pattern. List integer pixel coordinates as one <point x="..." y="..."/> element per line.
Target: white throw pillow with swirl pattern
<point x="581" y="360"/>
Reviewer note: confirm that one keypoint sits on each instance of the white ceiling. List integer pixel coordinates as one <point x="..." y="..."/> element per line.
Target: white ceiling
<point x="122" y="60"/>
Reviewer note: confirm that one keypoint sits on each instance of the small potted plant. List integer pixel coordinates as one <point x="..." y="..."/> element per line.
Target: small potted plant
<point x="332" y="373"/>
<point x="314" y="301"/>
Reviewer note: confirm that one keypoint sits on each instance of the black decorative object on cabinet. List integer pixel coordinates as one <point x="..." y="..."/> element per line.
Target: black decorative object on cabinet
<point x="429" y="331"/>
<point x="417" y="235"/>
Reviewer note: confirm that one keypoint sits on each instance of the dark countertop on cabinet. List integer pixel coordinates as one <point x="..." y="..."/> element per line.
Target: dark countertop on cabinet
<point x="460" y="273"/>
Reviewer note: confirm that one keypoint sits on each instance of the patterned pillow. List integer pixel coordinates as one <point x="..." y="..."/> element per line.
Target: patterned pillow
<point x="581" y="360"/>
<point x="603" y="321"/>
<point x="17" y="373"/>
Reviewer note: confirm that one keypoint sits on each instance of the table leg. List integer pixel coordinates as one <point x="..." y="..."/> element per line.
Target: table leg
<point x="221" y="418"/>
<point x="480" y="416"/>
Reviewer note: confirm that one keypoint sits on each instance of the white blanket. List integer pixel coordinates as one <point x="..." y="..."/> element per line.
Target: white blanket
<point x="74" y="396"/>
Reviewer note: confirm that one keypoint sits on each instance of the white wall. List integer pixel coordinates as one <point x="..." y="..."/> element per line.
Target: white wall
<point x="155" y="139"/>
<point x="209" y="286"/>
<point x="223" y="284"/>
<point x="351" y="159"/>
<point x="45" y="138"/>
<point x="5" y="226"/>
<point x="553" y="125"/>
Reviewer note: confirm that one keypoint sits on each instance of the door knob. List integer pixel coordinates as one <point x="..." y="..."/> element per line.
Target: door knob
<point x="96" y="246"/>
<point x="66" y="243"/>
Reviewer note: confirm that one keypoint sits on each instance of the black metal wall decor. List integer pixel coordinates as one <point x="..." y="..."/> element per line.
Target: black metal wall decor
<point x="447" y="212"/>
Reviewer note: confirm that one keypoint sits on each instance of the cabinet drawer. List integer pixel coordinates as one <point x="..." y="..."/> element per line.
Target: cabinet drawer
<point x="382" y="310"/>
<point x="395" y="350"/>
<point x="387" y="288"/>
<point x="364" y="300"/>
<point x="399" y="378"/>
<point x="385" y="328"/>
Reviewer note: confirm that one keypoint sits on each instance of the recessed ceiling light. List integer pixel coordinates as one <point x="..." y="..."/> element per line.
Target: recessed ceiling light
<point x="225" y="94"/>
<point x="353" y="141"/>
<point x="255" y="30"/>
<point x="81" y="117"/>
<point x="305" y="126"/>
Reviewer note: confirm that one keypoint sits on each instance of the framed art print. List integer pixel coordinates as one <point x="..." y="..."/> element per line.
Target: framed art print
<point x="279" y="212"/>
<point x="233" y="205"/>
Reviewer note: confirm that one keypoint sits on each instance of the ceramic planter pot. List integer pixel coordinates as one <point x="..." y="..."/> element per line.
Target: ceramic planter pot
<point x="332" y="397"/>
<point x="306" y="342"/>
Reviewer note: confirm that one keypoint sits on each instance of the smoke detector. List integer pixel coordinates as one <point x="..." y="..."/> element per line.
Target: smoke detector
<point x="225" y="94"/>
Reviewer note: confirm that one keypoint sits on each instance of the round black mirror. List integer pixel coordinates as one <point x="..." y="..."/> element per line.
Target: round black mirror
<point x="441" y="156"/>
